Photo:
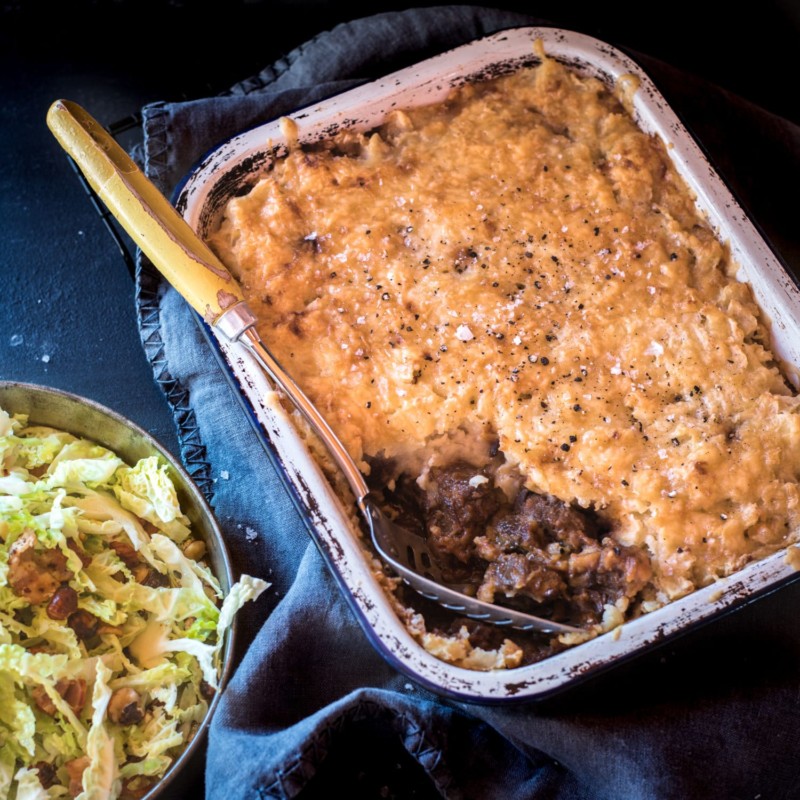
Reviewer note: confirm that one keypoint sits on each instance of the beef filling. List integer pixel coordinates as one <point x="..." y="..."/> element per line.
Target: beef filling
<point x="536" y="553"/>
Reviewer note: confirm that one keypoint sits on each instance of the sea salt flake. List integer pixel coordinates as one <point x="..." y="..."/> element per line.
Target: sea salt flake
<point x="464" y="334"/>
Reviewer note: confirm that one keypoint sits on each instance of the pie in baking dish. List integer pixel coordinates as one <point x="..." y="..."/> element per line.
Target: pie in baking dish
<point x="511" y="312"/>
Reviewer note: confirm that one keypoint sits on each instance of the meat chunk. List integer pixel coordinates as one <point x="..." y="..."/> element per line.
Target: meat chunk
<point x="561" y="522"/>
<point x="457" y="509"/>
<point x="127" y="553"/>
<point x="510" y="533"/>
<point x="615" y="571"/>
<point x="207" y="691"/>
<point x="514" y="573"/>
<point x="47" y="774"/>
<point x="537" y="551"/>
<point x="142" y="572"/>
<point x="552" y="553"/>
<point x="75" y="770"/>
<point x="72" y="690"/>
<point x="35" y="573"/>
<point x="63" y="603"/>
<point x="84" y="624"/>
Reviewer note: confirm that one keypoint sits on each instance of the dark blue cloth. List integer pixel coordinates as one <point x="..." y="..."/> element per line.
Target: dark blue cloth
<point x="311" y="707"/>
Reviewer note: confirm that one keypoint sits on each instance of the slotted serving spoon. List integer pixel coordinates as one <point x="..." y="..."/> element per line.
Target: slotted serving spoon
<point x="193" y="269"/>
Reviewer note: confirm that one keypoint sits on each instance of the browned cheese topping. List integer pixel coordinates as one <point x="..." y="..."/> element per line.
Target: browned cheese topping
<point x="524" y="261"/>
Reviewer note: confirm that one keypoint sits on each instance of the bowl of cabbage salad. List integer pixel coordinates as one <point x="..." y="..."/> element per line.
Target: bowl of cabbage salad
<point x="117" y="603"/>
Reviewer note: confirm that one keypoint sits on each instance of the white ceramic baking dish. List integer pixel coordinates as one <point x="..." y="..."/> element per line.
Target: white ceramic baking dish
<point x="235" y="166"/>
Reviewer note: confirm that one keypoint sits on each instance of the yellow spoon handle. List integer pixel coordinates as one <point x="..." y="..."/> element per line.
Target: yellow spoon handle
<point x="148" y="217"/>
<point x="184" y="260"/>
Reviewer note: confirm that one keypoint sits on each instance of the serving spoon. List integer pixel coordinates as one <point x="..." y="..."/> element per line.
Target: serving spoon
<point x="207" y="285"/>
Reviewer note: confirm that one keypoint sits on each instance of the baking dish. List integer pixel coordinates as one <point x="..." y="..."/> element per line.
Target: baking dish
<point x="231" y="169"/>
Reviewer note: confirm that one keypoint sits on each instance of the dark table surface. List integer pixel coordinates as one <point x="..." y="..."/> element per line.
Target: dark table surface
<point x="67" y="298"/>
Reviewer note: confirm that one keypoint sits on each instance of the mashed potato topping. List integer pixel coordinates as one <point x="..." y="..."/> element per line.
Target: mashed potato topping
<point x="522" y="264"/>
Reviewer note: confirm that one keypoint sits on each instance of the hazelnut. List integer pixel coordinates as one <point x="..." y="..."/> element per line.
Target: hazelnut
<point x="194" y="549"/>
<point x="125" y="707"/>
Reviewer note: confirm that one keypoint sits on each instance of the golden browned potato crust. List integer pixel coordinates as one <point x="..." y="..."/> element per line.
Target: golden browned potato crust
<point x="524" y="260"/>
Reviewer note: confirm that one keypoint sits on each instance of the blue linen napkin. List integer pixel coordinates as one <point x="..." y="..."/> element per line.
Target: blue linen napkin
<point x="311" y="706"/>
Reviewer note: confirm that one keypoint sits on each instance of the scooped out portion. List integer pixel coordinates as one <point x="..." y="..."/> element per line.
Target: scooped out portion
<point x="531" y="551"/>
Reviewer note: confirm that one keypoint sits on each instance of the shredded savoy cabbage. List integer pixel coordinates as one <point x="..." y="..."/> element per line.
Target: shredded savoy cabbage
<point x="111" y="624"/>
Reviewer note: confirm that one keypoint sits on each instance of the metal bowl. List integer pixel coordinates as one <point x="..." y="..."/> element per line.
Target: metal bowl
<point x="85" y="418"/>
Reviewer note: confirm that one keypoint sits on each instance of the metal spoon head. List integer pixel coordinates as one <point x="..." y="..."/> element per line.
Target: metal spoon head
<point x="394" y="545"/>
